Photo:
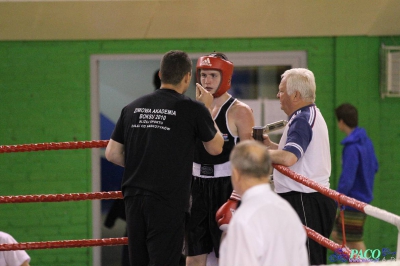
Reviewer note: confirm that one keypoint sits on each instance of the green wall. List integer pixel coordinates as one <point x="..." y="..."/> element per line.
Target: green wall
<point x="45" y="97"/>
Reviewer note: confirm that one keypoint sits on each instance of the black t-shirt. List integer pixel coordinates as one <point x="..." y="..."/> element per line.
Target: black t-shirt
<point x="159" y="131"/>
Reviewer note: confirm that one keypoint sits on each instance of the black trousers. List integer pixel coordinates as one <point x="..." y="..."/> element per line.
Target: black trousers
<point x="155" y="231"/>
<point x="317" y="212"/>
<point x="208" y="195"/>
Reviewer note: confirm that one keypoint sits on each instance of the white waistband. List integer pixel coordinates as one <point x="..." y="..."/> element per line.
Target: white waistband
<point x="220" y="170"/>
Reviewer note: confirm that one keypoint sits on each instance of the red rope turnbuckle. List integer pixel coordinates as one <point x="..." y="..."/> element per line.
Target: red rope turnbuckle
<point x="341" y="207"/>
<point x="54" y="146"/>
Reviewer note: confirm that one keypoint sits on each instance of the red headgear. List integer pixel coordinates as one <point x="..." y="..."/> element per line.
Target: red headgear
<point x="215" y="62"/>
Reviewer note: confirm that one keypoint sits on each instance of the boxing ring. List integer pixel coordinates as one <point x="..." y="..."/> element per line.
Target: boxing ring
<point x="340" y="198"/>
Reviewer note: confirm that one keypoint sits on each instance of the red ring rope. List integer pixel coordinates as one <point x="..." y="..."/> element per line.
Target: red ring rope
<point x="345" y="251"/>
<point x="54" y="146"/>
<point x="117" y="194"/>
<point x="323" y="190"/>
<point x="340" y="198"/>
<point x="61" y="197"/>
<point x="65" y="244"/>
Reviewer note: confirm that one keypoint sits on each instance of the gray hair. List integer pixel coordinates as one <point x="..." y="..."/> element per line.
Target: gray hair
<point x="251" y="158"/>
<point x="301" y="80"/>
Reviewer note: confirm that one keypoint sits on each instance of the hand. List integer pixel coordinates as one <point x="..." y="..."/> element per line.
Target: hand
<point x="266" y="140"/>
<point x="225" y="213"/>
<point x="202" y="95"/>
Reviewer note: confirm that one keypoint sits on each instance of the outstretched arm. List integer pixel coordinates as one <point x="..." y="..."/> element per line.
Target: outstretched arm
<point x="285" y="158"/>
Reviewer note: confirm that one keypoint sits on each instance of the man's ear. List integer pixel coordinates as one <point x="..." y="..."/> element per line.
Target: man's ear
<point x="188" y="77"/>
<point x="296" y="95"/>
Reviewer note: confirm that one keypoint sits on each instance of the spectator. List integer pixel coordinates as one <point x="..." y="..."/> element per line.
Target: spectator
<point x="359" y="166"/>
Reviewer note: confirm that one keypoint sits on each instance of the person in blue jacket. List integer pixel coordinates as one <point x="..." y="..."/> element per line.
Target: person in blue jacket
<point x="359" y="166"/>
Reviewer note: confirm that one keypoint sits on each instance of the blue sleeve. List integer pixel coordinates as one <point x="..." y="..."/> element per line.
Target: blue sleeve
<point x="350" y="162"/>
<point x="298" y="137"/>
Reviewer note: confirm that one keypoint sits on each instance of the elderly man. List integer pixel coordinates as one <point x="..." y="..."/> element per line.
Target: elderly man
<point x="304" y="148"/>
<point x="265" y="228"/>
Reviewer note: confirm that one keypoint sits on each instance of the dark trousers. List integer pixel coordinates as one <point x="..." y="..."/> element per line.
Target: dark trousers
<point x="203" y="233"/>
<point x="155" y="231"/>
<point x="317" y="212"/>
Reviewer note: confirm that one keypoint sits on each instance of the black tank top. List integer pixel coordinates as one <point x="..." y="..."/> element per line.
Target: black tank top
<point x="201" y="156"/>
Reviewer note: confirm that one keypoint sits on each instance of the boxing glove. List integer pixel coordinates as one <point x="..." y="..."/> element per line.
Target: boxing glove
<point x="225" y="213"/>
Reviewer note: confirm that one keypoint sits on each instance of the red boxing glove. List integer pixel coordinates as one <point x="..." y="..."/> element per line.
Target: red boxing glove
<point x="225" y="213"/>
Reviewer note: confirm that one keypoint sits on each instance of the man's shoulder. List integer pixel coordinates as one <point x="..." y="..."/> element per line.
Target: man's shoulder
<point x="307" y="111"/>
<point x="309" y="114"/>
<point x="188" y="102"/>
<point x="173" y="98"/>
<point x="240" y="108"/>
<point x="239" y="104"/>
<point x="6" y="238"/>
